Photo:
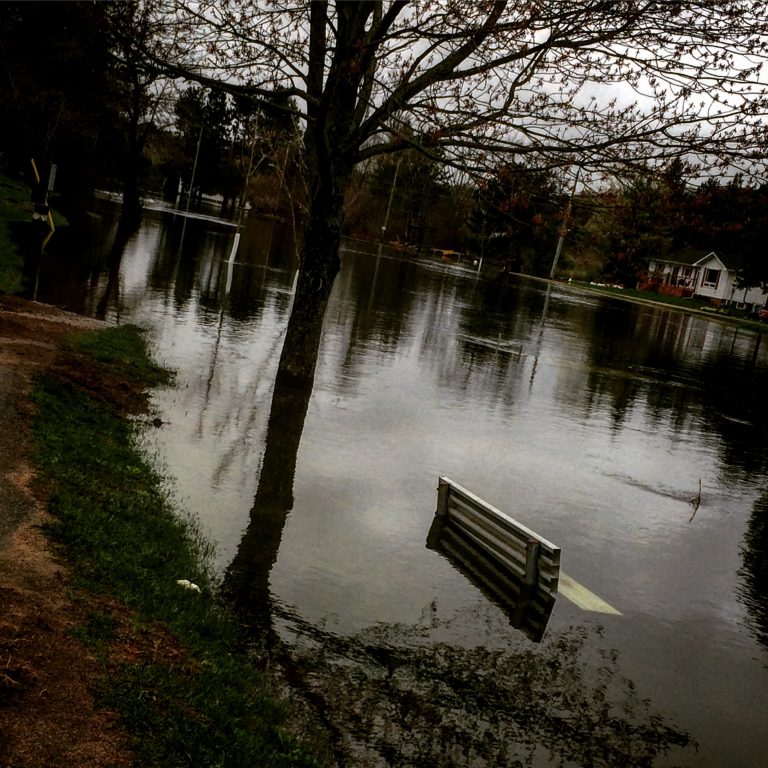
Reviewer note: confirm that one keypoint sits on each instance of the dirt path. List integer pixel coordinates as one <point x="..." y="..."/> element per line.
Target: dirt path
<point x="47" y="716"/>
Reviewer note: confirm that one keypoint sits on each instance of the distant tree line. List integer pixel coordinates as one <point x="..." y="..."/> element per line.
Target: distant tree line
<point x="79" y="89"/>
<point x="516" y="213"/>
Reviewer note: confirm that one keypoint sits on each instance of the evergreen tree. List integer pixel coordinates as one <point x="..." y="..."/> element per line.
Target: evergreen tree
<point x="517" y="218"/>
<point x="646" y="222"/>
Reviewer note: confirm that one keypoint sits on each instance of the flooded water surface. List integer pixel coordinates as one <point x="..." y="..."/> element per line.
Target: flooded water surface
<point x="632" y="436"/>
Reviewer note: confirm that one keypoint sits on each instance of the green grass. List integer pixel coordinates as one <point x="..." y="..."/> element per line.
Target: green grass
<point x="15" y="206"/>
<point x="119" y="529"/>
<point x="631" y="293"/>
<point x="691" y="304"/>
<point x="123" y="349"/>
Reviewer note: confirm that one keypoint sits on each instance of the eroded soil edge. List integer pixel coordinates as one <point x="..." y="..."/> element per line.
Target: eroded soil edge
<point x="47" y="715"/>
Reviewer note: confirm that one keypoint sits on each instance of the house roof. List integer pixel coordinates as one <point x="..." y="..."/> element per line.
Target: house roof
<point x="693" y="258"/>
<point x="711" y="255"/>
<point x="688" y="257"/>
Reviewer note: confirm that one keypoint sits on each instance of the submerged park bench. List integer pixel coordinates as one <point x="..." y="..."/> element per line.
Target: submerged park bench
<point x="528" y="557"/>
<point x="515" y="567"/>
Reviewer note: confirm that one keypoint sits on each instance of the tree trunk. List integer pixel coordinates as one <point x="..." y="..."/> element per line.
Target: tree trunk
<point x="332" y="121"/>
<point x="247" y="578"/>
<point x="319" y="265"/>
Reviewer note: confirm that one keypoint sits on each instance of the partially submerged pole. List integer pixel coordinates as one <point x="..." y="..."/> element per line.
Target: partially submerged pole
<point x="389" y="202"/>
<point x="564" y="227"/>
<point x="531" y="563"/>
<point x="443" y="489"/>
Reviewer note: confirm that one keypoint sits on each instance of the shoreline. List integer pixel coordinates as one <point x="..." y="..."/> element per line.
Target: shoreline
<point x="615" y="293"/>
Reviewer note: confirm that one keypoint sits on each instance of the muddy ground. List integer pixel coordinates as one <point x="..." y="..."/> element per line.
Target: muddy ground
<point x="47" y="715"/>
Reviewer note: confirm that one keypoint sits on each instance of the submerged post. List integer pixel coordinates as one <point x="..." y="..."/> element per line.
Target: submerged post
<point x="443" y="489"/>
<point x="531" y="563"/>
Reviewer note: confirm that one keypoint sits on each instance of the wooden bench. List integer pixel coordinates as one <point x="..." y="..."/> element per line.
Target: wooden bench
<point x="533" y="560"/>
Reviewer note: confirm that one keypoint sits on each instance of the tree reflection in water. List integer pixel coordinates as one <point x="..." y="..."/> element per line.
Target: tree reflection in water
<point x="246" y="581"/>
<point x="753" y="591"/>
<point x="396" y="696"/>
<point x="401" y="695"/>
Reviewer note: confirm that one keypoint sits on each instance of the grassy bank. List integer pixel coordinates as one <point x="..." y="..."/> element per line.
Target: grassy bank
<point x="697" y="306"/>
<point x="174" y="664"/>
<point x="15" y="208"/>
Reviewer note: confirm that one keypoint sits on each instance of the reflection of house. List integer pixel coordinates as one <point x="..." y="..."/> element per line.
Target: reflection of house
<point x="703" y="274"/>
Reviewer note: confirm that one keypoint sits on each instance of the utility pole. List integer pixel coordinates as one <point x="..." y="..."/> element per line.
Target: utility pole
<point x="564" y="227"/>
<point x="194" y="166"/>
<point x="389" y="203"/>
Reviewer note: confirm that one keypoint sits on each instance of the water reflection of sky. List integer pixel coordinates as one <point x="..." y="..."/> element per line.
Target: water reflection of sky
<point x="590" y="420"/>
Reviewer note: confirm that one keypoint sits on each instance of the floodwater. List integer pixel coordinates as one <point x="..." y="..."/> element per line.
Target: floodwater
<point x="594" y="422"/>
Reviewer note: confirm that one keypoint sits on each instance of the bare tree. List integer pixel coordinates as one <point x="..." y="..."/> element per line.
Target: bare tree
<point x="135" y="30"/>
<point x="595" y="83"/>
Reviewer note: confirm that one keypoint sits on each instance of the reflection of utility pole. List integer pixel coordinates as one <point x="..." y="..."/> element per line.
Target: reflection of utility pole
<point x="389" y="203"/>
<point x="542" y="322"/>
<point x="564" y="227"/>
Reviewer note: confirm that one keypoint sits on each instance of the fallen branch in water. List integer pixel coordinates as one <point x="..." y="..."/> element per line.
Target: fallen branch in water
<point x="696" y="503"/>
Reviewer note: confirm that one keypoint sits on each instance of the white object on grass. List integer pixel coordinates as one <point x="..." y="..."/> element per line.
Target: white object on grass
<point x="187" y="584"/>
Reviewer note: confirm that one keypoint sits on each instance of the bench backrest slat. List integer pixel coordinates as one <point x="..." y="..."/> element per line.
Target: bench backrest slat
<point x="502" y="537"/>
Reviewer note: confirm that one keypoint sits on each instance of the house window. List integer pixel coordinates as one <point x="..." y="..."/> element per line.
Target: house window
<point x="711" y="278"/>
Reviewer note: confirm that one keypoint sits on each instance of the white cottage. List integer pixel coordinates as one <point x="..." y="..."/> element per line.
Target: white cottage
<point x="703" y="274"/>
